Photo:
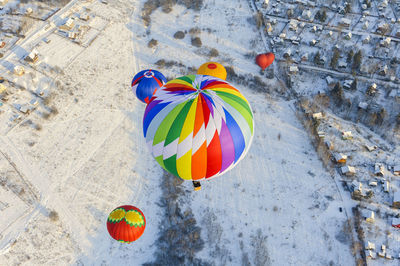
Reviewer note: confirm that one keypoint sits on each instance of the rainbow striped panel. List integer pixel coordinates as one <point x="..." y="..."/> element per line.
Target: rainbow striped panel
<point x="198" y="126"/>
<point x="146" y="82"/>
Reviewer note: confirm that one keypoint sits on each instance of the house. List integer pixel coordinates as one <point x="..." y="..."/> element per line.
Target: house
<point x="345" y="22"/>
<point x="72" y="35"/>
<point x="19" y="70"/>
<point x="342" y="63"/>
<point x="348" y="36"/>
<point x="329" y="80"/>
<point x="24" y="109"/>
<point x="385" y="42"/>
<point x="373" y="183"/>
<point x="369" y="246"/>
<point x="396" y="169"/>
<point x="317" y="116"/>
<point x="84" y="16"/>
<point x="372" y="89"/>
<point x="383" y="70"/>
<point x="2" y="88"/>
<point x="287" y="53"/>
<point x="293" y="69"/>
<point x="379" y="169"/>
<point x="356" y="186"/>
<point x="313" y="42"/>
<point x="388" y="256"/>
<point x="32" y="56"/>
<point x="386" y="186"/>
<point x="371" y="148"/>
<point x="28" y="11"/>
<point x="348" y="170"/>
<point x="321" y="134"/>
<point x="268" y="28"/>
<point x="347" y="84"/>
<point x="2" y="44"/>
<point x="347" y="135"/>
<point x="396" y="222"/>
<point x="340" y="158"/>
<point x="365" y="25"/>
<point x="68" y="25"/>
<point x="329" y="145"/>
<point x="34" y="102"/>
<point x="293" y="25"/>
<point x="366" y="39"/>
<point x="306" y="14"/>
<point x="383" y="27"/>
<point x="363" y="105"/>
<point x="369" y="217"/>
<point x="396" y="200"/>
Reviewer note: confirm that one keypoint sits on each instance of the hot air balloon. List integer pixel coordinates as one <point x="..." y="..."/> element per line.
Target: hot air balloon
<point x="264" y="60"/>
<point x="126" y="223"/>
<point x="146" y="82"/>
<point x="212" y="69"/>
<point x="198" y="127"/>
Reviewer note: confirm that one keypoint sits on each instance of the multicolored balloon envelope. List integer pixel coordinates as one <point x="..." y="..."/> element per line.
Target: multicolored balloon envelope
<point x="212" y="69"/>
<point x="198" y="127"/>
<point x="146" y="82"/>
<point x="126" y="223"/>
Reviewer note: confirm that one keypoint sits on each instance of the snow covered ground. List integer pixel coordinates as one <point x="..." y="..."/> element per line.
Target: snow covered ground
<point x="279" y="206"/>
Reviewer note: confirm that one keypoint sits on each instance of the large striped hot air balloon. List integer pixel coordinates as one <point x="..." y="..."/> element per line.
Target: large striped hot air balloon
<point x="126" y="223"/>
<point x="146" y="82"/>
<point x="198" y="127"/>
<point x="212" y="69"/>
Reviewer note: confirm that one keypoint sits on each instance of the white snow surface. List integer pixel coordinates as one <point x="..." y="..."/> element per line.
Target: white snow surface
<point x="278" y="206"/>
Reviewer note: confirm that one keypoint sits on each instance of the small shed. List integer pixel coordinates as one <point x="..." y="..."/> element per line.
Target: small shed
<point x="347" y="135"/>
<point x="386" y="186"/>
<point x="72" y="35"/>
<point x="348" y="170"/>
<point x="19" y="70"/>
<point x="371" y="148"/>
<point x="396" y="200"/>
<point x="396" y="222"/>
<point x="396" y="169"/>
<point x="363" y="105"/>
<point x="379" y="169"/>
<point x="373" y="183"/>
<point x="340" y="158"/>
<point x="32" y="56"/>
<point x="370" y="254"/>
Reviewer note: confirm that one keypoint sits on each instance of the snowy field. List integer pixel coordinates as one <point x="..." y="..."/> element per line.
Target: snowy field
<point x="279" y="206"/>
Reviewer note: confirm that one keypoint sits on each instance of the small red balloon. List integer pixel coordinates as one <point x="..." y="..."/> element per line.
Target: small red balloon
<point x="265" y="60"/>
<point x="126" y="223"/>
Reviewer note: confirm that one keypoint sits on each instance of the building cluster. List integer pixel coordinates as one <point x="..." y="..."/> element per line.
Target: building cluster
<point x="375" y="183"/>
<point x="307" y="31"/>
